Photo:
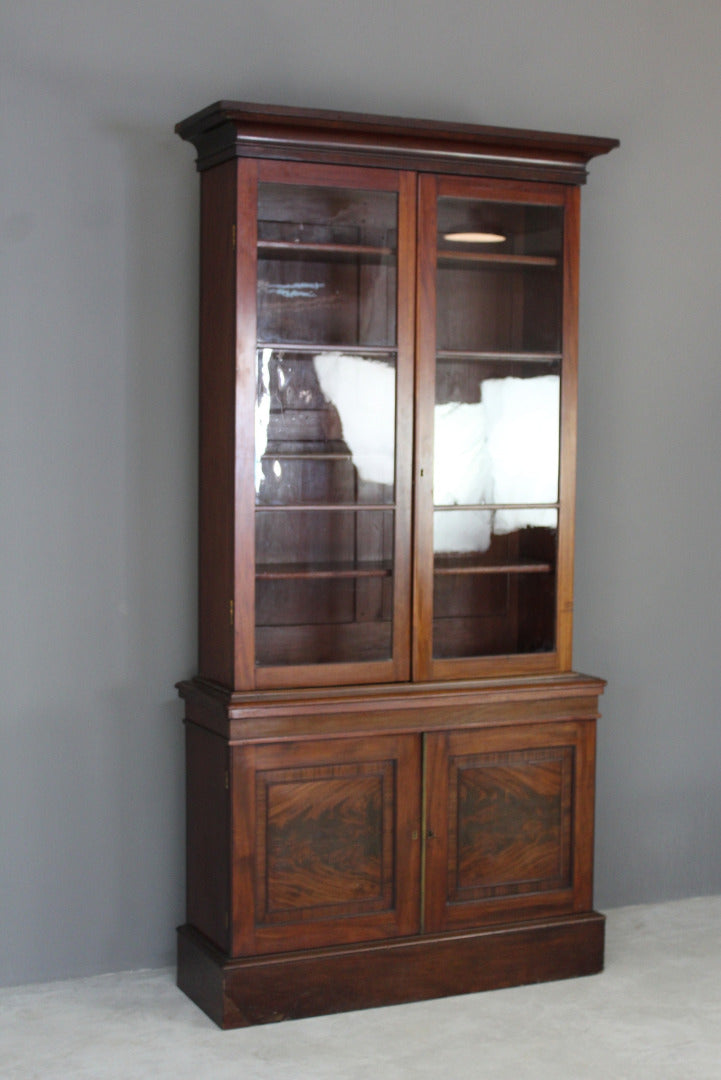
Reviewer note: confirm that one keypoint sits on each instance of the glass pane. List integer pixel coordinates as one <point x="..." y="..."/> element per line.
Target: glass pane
<point x="325" y="427"/>
<point x="496" y="434"/>
<point x="318" y="540"/>
<point x="324" y="585"/>
<point x="496" y="427"/>
<point x="499" y="281"/>
<point x="465" y="540"/>
<point x="495" y="581"/>
<point x="326" y="265"/>
<point x="325" y="424"/>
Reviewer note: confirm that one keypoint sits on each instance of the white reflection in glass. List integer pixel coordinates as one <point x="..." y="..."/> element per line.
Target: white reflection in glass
<point x="262" y="414"/>
<point x="503" y="449"/>
<point x="363" y="392"/>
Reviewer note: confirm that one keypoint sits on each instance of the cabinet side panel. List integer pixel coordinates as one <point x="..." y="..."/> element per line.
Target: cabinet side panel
<point x="207" y="829"/>
<point x="585" y="797"/>
<point x="217" y="423"/>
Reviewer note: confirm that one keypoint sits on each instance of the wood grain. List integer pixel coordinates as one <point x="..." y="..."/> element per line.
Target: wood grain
<point x="325" y="847"/>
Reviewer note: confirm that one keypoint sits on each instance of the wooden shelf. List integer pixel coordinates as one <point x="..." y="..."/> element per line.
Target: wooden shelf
<point x="318" y="571"/>
<point x="351" y="508"/>
<point x="468" y="355"/>
<point x="307" y="350"/>
<point x="503" y="568"/>
<point x="312" y="455"/>
<point x="498" y="259"/>
<point x="496" y="506"/>
<point x="302" y="248"/>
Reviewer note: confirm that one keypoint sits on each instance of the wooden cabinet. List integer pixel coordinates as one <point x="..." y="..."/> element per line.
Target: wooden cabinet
<point x="390" y="760"/>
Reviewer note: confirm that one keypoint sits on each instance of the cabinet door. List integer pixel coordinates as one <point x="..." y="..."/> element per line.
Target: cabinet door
<point x="326" y="846"/>
<point x="329" y="294"/>
<point x="495" y="427"/>
<point x="509" y="824"/>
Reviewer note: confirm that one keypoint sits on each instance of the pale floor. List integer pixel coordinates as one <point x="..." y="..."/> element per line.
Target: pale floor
<point x="654" y="1014"/>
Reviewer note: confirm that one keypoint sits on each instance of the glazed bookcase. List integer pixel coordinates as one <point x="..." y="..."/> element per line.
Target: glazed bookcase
<point x="390" y="761"/>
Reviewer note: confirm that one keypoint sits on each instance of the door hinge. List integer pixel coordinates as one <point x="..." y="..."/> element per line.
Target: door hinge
<point x="231" y="611"/>
<point x="227" y="780"/>
<point x="233" y="234"/>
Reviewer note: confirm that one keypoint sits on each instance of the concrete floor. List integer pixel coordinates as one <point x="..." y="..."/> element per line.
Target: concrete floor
<point x="654" y="1014"/>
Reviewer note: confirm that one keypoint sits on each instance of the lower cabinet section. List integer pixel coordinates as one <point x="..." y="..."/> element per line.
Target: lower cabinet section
<point x="407" y="853"/>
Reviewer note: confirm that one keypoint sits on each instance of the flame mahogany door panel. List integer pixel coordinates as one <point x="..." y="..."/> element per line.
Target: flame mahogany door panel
<point x="326" y="845"/>
<point x="509" y="823"/>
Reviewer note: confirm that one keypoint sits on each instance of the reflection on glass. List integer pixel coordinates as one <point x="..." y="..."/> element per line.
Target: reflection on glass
<point x="500" y="294"/>
<point x="325" y="427"/>
<point x="326" y="265"/>
<point x="325" y="440"/>
<point x="496" y="427"/>
<point x="495" y="594"/>
<point x="495" y="568"/>
<point x="481" y="540"/>
<point x="325" y="424"/>
<point x="305" y="214"/>
<point x="501" y="449"/>
<point x="476" y="226"/>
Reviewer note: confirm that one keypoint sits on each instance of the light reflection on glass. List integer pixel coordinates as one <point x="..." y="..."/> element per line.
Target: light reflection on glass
<point x="502" y="449"/>
<point x="363" y="392"/>
<point x="352" y="399"/>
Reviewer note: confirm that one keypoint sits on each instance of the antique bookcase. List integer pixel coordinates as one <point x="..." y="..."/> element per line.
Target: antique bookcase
<point x="390" y="762"/>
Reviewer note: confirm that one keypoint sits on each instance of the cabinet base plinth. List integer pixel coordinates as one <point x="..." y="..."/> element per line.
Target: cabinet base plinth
<point x="266" y="989"/>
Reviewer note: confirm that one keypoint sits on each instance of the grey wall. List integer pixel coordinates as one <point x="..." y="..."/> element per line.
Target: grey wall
<point x="97" y="425"/>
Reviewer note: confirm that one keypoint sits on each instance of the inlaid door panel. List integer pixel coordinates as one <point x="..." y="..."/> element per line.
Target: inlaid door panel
<point x="508" y="824"/>
<point x="327" y="845"/>
<point x="325" y="835"/>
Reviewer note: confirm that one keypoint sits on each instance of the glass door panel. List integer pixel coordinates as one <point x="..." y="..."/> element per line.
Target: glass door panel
<point x="326" y="266"/>
<point x="496" y="427"/>
<point x="496" y="433"/>
<point x="494" y="581"/>
<point x="499" y="277"/>
<point x="325" y="427"/>
<point x="324" y="587"/>
<point x="325" y="419"/>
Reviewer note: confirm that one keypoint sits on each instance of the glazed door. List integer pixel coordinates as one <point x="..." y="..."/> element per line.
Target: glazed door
<point x="509" y="823"/>
<point x="326" y="842"/>
<point x="496" y="394"/>
<point x="331" y="310"/>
